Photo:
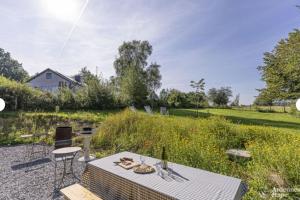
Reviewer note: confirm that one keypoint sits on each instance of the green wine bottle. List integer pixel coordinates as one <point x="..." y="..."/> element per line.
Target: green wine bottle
<point x="164" y="159"/>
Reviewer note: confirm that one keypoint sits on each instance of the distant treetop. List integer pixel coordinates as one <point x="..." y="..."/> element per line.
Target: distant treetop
<point x="11" y="68"/>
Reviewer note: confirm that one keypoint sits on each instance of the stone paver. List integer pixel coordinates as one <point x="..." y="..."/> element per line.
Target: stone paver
<point x="32" y="181"/>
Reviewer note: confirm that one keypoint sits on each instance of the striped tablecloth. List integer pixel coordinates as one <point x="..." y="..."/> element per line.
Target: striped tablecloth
<point x="109" y="182"/>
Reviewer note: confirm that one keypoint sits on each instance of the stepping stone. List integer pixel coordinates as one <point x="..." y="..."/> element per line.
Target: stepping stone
<point x="238" y="154"/>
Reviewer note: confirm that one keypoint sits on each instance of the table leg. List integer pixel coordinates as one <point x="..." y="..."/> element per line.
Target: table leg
<point x="71" y="168"/>
<point x="31" y="152"/>
<point x="65" y="173"/>
<point x="55" y="166"/>
<point x="26" y="152"/>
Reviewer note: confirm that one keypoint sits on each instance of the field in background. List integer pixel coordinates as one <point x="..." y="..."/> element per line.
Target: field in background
<point x="284" y="121"/>
<point x="265" y="108"/>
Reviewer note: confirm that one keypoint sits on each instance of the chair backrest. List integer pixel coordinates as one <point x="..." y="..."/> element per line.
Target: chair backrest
<point x="148" y="109"/>
<point x="163" y="111"/>
<point x="63" y="137"/>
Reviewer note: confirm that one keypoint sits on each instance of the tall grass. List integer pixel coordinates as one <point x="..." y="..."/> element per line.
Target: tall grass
<point x="202" y="143"/>
<point x="15" y="124"/>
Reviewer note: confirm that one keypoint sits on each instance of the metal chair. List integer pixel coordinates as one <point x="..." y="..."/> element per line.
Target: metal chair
<point x="63" y="138"/>
<point x="148" y="109"/>
<point x="164" y="111"/>
<point x="32" y="147"/>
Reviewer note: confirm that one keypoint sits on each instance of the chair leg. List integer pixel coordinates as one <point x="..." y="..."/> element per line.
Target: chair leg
<point x="27" y="152"/>
<point x="55" y="166"/>
<point x="44" y="149"/>
<point x="31" y="152"/>
<point x="72" y="170"/>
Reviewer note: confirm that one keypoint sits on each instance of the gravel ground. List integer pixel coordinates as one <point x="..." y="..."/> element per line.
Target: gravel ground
<point x="22" y="179"/>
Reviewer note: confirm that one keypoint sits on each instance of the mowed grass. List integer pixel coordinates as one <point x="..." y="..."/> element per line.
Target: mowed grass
<point x="284" y="121"/>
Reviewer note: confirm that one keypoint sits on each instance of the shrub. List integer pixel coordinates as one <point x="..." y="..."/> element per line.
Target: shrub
<point x="20" y="96"/>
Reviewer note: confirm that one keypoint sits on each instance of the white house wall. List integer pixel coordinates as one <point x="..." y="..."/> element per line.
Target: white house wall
<point x="47" y="84"/>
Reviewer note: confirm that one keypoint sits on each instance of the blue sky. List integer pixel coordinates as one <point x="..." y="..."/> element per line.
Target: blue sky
<point x="221" y="41"/>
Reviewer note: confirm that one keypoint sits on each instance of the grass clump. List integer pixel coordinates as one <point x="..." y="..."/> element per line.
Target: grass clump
<point x="202" y="143"/>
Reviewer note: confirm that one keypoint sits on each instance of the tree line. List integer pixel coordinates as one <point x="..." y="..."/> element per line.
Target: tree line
<point x="281" y="72"/>
<point x="136" y="83"/>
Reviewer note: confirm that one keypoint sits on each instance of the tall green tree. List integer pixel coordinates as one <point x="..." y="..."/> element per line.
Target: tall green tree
<point x="11" y="68"/>
<point x="199" y="92"/>
<point x="177" y="99"/>
<point x="135" y="80"/>
<point x="220" y="97"/>
<point x="163" y="97"/>
<point x="133" y="88"/>
<point x="153" y="81"/>
<point x="236" y="101"/>
<point x="96" y="92"/>
<point x="86" y="75"/>
<point x="281" y="69"/>
<point x="264" y="98"/>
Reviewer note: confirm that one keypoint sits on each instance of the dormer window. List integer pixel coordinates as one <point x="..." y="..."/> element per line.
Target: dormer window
<point x="48" y="75"/>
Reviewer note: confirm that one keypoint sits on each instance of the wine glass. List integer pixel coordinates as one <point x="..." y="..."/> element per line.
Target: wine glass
<point x="142" y="159"/>
<point x="158" y="168"/>
<point x="170" y="169"/>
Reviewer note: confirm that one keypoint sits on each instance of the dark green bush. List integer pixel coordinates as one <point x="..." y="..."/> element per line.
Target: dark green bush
<point x="20" y="96"/>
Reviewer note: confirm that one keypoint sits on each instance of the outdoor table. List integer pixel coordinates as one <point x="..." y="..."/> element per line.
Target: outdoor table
<point x="66" y="154"/>
<point x="110" y="181"/>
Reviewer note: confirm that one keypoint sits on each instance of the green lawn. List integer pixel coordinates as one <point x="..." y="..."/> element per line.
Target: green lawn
<point x="277" y="120"/>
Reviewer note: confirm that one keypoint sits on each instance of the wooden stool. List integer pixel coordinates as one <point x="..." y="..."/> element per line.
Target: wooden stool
<point x="77" y="192"/>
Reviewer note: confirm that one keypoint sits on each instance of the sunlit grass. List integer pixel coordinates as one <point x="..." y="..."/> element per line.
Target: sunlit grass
<point x="202" y="143"/>
<point x="284" y="121"/>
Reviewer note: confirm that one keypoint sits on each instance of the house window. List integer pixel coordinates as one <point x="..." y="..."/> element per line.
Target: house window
<point x="48" y="75"/>
<point x="62" y="84"/>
